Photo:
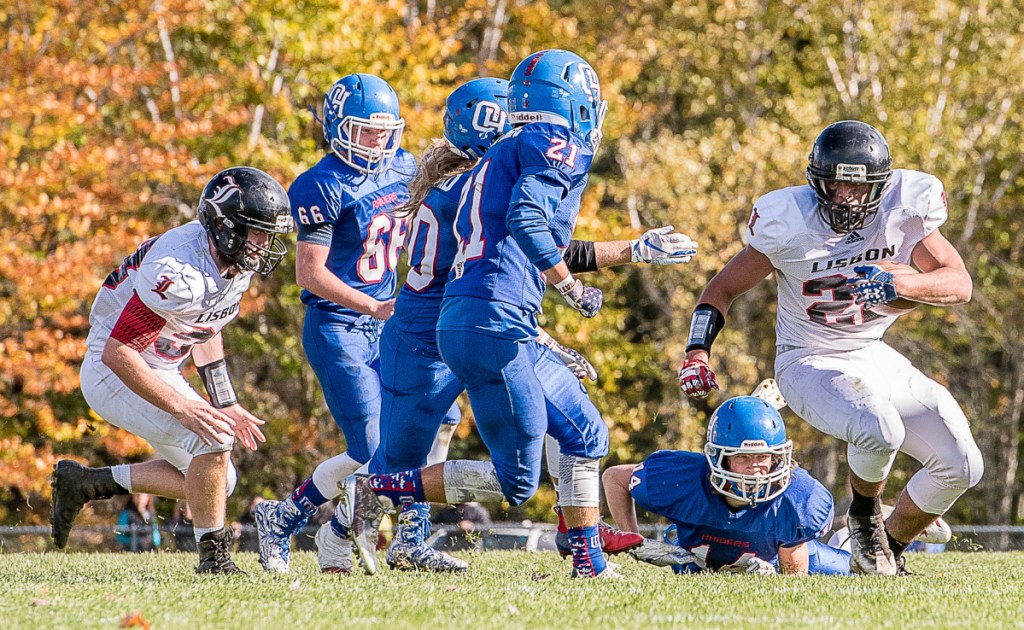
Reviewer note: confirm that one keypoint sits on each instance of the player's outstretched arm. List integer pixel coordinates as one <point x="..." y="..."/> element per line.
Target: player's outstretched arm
<point x="660" y="246"/>
<point x="620" y="501"/>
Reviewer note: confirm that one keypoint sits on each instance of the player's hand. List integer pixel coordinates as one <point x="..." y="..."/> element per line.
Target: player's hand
<point x="382" y="310"/>
<point x="581" y="368"/>
<point x="753" y="566"/>
<point x="587" y="300"/>
<point x="697" y="379"/>
<point x="663" y="247"/>
<point x="873" y="285"/>
<point x="247" y="426"/>
<point x="210" y="424"/>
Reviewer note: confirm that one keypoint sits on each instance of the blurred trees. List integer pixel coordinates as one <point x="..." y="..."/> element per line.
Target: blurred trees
<point x="117" y="115"/>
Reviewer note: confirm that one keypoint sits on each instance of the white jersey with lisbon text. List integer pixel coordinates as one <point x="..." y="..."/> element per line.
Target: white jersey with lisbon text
<point x="185" y="300"/>
<point x="813" y="263"/>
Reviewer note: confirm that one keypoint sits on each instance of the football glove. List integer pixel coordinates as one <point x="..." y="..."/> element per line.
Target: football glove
<point x="753" y="566"/>
<point x="697" y="379"/>
<point x="586" y="300"/>
<point x="872" y="285"/>
<point x="581" y="368"/>
<point x="663" y="247"/>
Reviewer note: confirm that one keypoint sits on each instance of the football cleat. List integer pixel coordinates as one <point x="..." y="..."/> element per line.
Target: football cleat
<point x="276" y="521"/>
<point x="215" y="554"/>
<point x="609" y="573"/>
<point x="613" y="540"/>
<point x="365" y="511"/>
<point x="938" y="532"/>
<point x="410" y="557"/>
<point x="333" y="553"/>
<point x="663" y="554"/>
<point x="869" y="549"/>
<point x="73" y="486"/>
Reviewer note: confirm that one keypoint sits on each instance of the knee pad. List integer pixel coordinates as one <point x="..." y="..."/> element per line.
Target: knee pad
<point x="231" y="478"/>
<point x="578" y="481"/>
<point x="878" y="431"/>
<point x="466" y="480"/>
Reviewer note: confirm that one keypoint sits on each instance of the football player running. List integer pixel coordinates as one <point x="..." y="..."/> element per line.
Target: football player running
<point x="418" y="390"/>
<point x="168" y="300"/>
<point x="826" y="243"/>
<point x="511" y="223"/>
<point x="348" y="246"/>
<point x="742" y="506"/>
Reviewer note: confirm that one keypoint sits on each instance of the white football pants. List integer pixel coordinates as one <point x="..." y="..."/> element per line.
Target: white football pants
<point x="879" y="403"/>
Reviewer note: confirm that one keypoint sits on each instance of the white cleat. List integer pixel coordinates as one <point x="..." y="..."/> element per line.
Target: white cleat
<point x="333" y="553"/>
<point x="413" y="557"/>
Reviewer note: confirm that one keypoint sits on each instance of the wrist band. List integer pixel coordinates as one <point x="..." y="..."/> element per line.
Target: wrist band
<point x="218" y="384"/>
<point x="705" y="325"/>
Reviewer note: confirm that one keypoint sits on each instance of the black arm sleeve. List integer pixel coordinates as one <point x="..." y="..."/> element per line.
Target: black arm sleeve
<point x="580" y="256"/>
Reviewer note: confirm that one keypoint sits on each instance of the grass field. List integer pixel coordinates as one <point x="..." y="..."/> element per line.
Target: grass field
<point x="502" y="589"/>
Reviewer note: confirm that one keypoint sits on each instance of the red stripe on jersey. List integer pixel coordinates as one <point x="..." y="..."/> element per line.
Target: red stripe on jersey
<point x="137" y="327"/>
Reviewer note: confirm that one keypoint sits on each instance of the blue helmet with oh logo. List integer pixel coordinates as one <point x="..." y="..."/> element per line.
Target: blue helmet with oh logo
<point x="362" y="125"/>
<point x="558" y="87"/>
<point x="475" y="115"/>
<point x="748" y="425"/>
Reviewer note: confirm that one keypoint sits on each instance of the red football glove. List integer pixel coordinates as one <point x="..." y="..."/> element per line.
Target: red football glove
<point x="697" y="379"/>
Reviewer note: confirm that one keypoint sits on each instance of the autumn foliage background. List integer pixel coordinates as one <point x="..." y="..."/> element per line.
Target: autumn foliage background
<point x="116" y="113"/>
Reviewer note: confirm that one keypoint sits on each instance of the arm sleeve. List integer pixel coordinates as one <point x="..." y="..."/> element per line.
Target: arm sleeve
<point x="580" y="256"/>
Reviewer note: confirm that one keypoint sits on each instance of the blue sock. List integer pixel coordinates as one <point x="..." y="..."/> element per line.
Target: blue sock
<point x="308" y="498"/>
<point x="401" y="487"/>
<point x="414" y="523"/>
<point x="339" y="528"/>
<point x="587" y="557"/>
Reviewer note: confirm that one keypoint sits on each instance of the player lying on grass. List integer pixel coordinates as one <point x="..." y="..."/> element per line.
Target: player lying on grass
<point x="741" y="507"/>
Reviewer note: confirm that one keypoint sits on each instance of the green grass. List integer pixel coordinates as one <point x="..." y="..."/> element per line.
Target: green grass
<point x="502" y="589"/>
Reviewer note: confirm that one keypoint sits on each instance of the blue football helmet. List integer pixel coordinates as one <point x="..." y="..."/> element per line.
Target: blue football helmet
<point x="746" y="424"/>
<point x="475" y="115"/>
<point x="361" y="122"/>
<point x="558" y="87"/>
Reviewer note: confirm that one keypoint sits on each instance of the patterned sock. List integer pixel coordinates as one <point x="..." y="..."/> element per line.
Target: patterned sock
<point x="587" y="557"/>
<point x="414" y="524"/>
<point x="340" y="529"/>
<point x="401" y="487"/>
<point x="308" y="498"/>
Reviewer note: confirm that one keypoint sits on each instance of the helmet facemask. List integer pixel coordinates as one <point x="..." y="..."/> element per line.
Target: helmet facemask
<point x="751" y="489"/>
<point x="845" y="217"/>
<point x="371" y="160"/>
<point x="233" y="242"/>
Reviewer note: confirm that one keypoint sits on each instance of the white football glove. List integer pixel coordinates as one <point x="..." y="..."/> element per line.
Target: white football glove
<point x="753" y="566"/>
<point x="662" y="246"/>
<point x="581" y="368"/>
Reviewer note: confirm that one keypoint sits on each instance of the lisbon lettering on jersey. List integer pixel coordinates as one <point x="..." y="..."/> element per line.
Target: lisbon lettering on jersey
<point x="212" y="316"/>
<point x="870" y="255"/>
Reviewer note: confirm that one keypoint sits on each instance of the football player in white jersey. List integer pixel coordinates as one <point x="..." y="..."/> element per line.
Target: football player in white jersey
<point x="829" y="244"/>
<point x="170" y="299"/>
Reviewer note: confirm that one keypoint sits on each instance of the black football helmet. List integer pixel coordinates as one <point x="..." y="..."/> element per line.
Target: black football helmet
<point x="849" y="151"/>
<point x="240" y="199"/>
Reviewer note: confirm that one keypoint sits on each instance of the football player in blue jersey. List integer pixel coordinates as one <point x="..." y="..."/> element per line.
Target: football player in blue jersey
<point x="348" y="246"/>
<point x="418" y="390"/>
<point x="742" y="506"/>
<point x="512" y="220"/>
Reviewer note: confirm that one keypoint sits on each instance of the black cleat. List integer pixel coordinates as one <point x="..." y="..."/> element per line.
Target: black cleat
<point x="869" y="548"/>
<point x="215" y="554"/>
<point x="901" y="566"/>
<point x="73" y="486"/>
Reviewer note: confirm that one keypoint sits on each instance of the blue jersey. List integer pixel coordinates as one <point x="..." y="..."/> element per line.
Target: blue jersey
<point x="431" y="246"/>
<point x="336" y="206"/>
<point x="512" y="222"/>
<point x="676" y="485"/>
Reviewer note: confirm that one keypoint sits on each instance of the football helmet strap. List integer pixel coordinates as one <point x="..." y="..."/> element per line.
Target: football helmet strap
<point x="558" y="87"/>
<point x="240" y="199"/>
<point x="748" y="425"/>
<point x="358" y="104"/>
<point x="849" y="151"/>
<point x="475" y="115"/>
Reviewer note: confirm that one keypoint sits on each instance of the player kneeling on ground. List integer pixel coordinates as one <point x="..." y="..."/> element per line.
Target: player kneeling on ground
<point x="741" y="507"/>
<point x="170" y="299"/>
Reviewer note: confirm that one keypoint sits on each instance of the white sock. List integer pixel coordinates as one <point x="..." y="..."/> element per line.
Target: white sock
<point x="122" y="476"/>
<point x="329" y="474"/>
<point x="202" y="531"/>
